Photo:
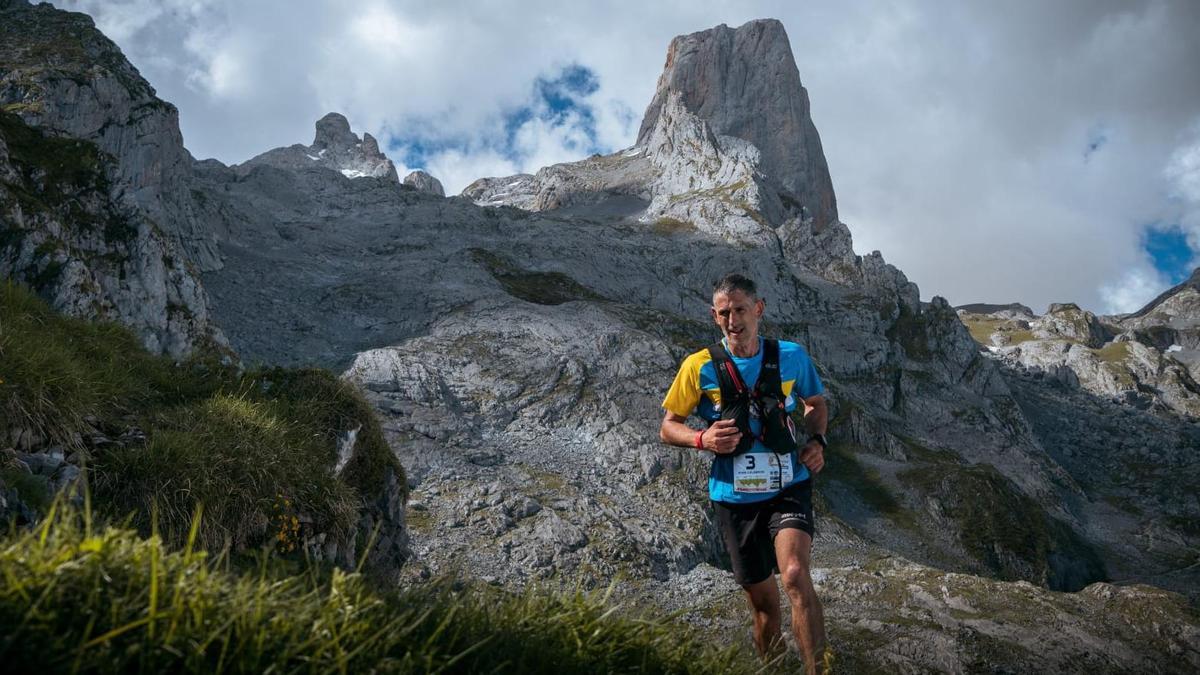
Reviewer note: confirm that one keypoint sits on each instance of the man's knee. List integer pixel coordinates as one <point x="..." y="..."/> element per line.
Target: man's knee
<point x="796" y="581"/>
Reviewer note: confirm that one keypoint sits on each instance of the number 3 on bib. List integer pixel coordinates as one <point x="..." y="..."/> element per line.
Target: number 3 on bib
<point x="761" y="472"/>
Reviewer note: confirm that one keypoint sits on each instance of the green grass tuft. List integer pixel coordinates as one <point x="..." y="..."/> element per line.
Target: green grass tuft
<point x="982" y="328"/>
<point x="55" y="370"/>
<point x="113" y="601"/>
<point x="1113" y="352"/>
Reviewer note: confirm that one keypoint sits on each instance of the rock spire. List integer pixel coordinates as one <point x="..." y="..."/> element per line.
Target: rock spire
<point x="745" y="84"/>
<point x="335" y="146"/>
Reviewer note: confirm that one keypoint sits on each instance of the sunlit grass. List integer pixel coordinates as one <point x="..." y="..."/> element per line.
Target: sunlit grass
<point x="73" y="596"/>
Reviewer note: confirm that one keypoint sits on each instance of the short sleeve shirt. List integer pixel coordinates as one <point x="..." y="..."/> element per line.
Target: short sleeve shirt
<point x="697" y="391"/>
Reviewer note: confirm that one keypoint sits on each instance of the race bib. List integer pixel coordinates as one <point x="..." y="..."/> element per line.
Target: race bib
<point x="761" y="472"/>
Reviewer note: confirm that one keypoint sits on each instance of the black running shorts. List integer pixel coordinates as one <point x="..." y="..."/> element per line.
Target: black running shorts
<point x="749" y="530"/>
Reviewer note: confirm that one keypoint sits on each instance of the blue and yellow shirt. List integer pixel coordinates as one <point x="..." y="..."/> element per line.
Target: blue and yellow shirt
<point x="697" y="391"/>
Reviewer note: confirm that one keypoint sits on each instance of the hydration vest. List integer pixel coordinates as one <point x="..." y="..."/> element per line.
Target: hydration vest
<point x="777" y="431"/>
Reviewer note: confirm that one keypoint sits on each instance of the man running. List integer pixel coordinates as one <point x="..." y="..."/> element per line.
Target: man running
<point x="762" y="500"/>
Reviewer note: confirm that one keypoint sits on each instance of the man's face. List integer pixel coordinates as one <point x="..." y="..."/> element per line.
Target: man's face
<point x="738" y="314"/>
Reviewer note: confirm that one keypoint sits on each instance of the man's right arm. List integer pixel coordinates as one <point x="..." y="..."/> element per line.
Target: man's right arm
<point x="721" y="438"/>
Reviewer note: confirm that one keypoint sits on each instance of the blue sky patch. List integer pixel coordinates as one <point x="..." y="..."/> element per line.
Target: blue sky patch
<point x="1168" y="248"/>
<point x="558" y="99"/>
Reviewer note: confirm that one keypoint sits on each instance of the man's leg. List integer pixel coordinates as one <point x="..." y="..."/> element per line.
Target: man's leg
<point x="764" y="608"/>
<point x="793" y="549"/>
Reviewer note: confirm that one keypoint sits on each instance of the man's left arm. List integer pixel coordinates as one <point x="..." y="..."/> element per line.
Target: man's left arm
<point x="816" y="415"/>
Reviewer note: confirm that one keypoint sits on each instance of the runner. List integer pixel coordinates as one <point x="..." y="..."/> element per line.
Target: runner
<point x="761" y="488"/>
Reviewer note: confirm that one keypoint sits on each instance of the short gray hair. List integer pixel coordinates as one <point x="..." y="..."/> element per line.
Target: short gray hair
<point x="735" y="282"/>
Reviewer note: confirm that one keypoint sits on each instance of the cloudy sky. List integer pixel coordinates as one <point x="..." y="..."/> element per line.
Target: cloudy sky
<point x="996" y="152"/>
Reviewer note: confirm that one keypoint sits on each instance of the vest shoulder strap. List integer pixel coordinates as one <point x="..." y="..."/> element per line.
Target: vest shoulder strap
<point x="769" y="379"/>
<point x="728" y="376"/>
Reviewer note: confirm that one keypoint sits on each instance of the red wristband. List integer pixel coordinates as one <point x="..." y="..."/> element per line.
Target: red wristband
<point x="700" y="440"/>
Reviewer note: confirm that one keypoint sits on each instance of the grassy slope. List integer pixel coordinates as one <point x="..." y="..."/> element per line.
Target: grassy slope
<point x="255" y="448"/>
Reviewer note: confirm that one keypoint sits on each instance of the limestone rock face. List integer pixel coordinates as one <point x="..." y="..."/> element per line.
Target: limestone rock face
<point x="711" y="181"/>
<point x="1068" y="321"/>
<point x="1177" y="307"/>
<point x="1170" y="323"/>
<point x="1148" y="359"/>
<point x="335" y="147"/>
<point x="419" y="180"/>
<point x="62" y="75"/>
<point x="89" y="254"/>
<point x="745" y="84"/>
<point x="686" y="178"/>
<point x="1009" y="311"/>
<point x="497" y="191"/>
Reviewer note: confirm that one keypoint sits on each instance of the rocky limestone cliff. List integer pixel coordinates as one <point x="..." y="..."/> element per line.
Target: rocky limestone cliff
<point x="351" y="253"/>
<point x="1011" y="310"/>
<point x="61" y="75"/>
<point x="1148" y="359"/>
<point x="63" y="234"/>
<point x="335" y="147"/>
<point x="744" y="83"/>
<point x="515" y="191"/>
<point x="1177" y="307"/>
<point x="1170" y="323"/>
<point x="684" y="175"/>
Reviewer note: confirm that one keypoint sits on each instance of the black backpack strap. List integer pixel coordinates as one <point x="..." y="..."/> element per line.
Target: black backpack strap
<point x="727" y="373"/>
<point x="769" y="379"/>
<point x="728" y="377"/>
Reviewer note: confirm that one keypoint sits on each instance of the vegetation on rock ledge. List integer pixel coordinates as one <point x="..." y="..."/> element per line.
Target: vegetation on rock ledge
<point x="167" y="436"/>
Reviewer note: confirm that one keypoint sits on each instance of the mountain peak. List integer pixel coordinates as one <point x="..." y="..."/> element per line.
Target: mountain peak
<point x="333" y="131"/>
<point x="423" y="182"/>
<point x="744" y="83"/>
<point x="335" y="147"/>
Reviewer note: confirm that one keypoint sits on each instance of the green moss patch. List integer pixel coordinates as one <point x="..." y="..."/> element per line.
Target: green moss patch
<point x="65" y="162"/>
<point x="1008" y="533"/>
<point x="842" y="466"/>
<point x="668" y="226"/>
<point x="1113" y="352"/>
<point x="33" y="490"/>
<point x="542" y="288"/>
<point x="982" y="328"/>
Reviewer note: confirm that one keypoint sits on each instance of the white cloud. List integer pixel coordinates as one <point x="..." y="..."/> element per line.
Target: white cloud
<point x="1132" y="292"/>
<point x="957" y="133"/>
<point x="1183" y="176"/>
<point x="459" y="169"/>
